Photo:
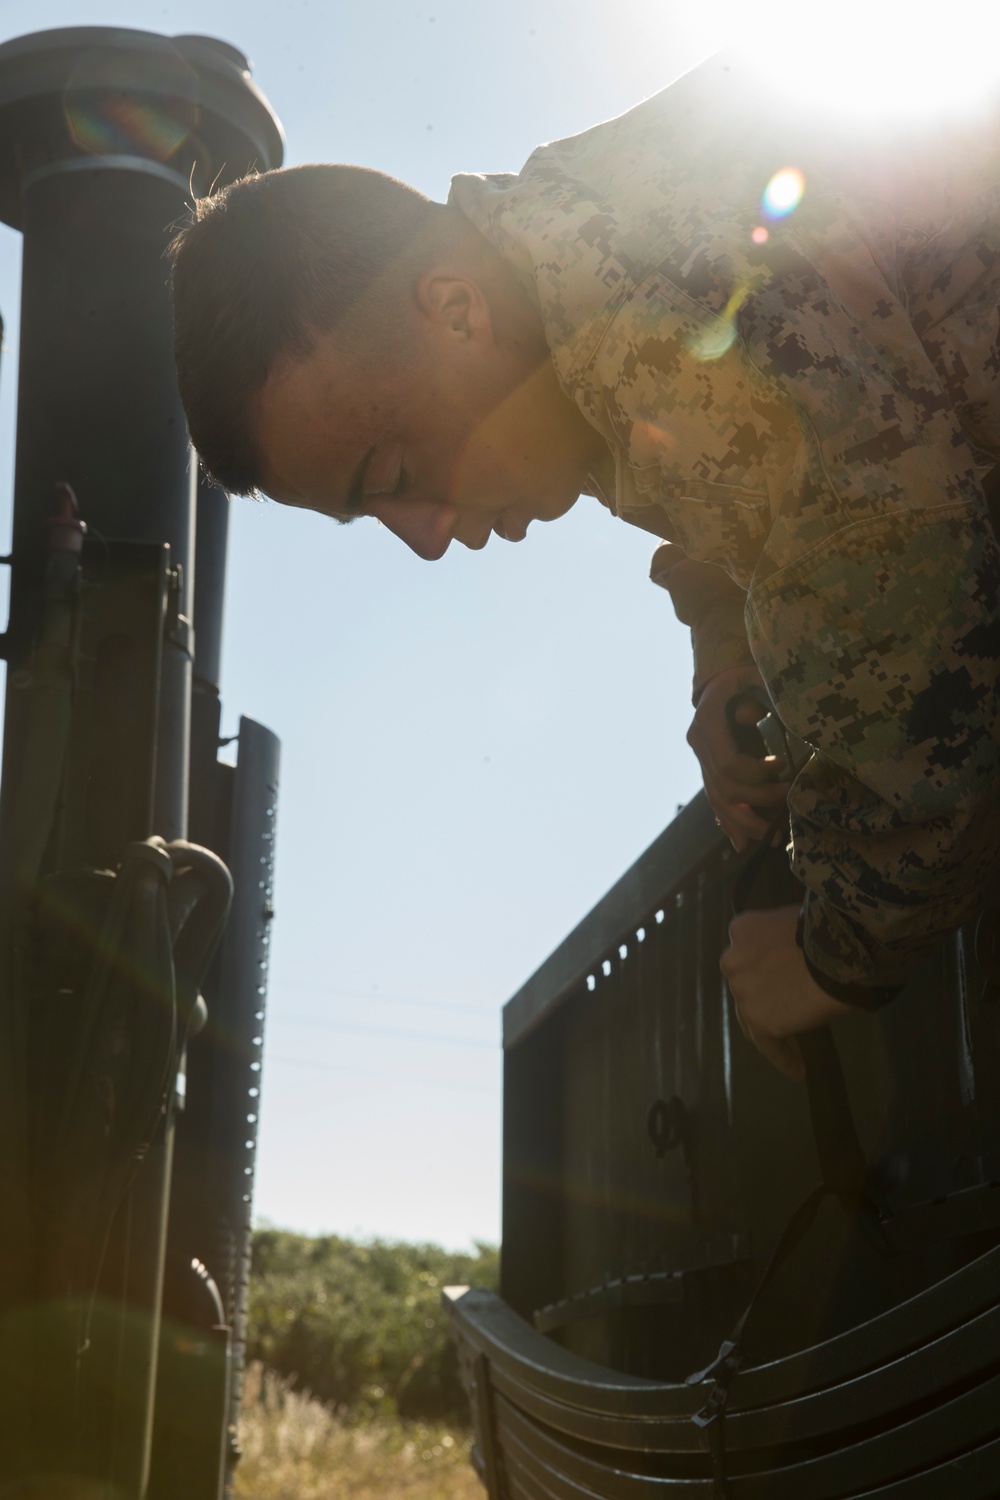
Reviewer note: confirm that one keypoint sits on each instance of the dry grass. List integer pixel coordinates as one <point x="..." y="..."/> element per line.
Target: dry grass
<point x="294" y="1448"/>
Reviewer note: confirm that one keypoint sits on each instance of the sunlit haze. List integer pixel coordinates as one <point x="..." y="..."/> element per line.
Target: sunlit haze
<point x="864" y="61"/>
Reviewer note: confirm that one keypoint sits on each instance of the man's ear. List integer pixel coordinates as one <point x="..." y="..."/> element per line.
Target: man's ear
<point x="456" y="304"/>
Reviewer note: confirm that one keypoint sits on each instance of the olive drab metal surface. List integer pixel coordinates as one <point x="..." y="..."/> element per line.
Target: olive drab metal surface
<point x="130" y="1057"/>
<point x="655" y="1167"/>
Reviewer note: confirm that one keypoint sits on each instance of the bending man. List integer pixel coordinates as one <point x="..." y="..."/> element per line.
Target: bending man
<point x="800" y="393"/>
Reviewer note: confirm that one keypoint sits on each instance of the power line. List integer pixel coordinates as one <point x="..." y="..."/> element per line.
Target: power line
<point x="387" y="1031"/>
<point x="368" y="995"/>
<point x="435" y="1083"/>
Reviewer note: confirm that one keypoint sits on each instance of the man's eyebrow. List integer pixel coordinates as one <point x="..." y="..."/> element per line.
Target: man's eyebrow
<point x="356" y="487"/>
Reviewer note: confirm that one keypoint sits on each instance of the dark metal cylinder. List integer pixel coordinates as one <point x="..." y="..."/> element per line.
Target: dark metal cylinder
<point x="98" y="402"/>
<point x="97" y="396"/>
<point x="104" y="136"/>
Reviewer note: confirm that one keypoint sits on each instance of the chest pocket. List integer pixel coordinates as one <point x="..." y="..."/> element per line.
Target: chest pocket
<point x="717" y="523"/>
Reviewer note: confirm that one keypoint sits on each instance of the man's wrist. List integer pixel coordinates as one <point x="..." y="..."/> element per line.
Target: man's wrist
<point x="862" y="996"/>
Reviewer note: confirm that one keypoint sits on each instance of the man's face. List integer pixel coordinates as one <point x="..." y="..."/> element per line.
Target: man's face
<point x="461" y="438"/>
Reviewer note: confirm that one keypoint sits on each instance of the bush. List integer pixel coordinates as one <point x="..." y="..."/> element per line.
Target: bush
<point x="361" y="1326"/>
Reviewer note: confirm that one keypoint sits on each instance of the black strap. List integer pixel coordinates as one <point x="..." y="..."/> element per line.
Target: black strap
<point x="844" y="1170"/>
<point x="755" y="866"/>
<point x="727" y="1363"/>
<point x="841" y="1158"/>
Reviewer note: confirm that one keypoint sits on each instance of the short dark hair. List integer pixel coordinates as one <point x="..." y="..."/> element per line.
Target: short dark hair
<point x="264" y="266"/>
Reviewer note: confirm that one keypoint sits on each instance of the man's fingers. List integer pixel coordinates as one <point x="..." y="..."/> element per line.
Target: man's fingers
<point x="774" y="996"/>
<point x="742" y="771"/>
<point x="742" y="832"/>
<point x="738" y="776"/>
<point x="783" y="1053"/>
<point x="748" y="712"/>
<point x="741" y="808"/>
<point x="720" y="757"/>
<point x="771" y="794"/>
<point x="734" y="834"/>
<point x="744" y="791"/>
<point x="740" y="823"/>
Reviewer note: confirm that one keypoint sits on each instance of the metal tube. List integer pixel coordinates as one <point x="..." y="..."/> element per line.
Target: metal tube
<point x="101" y="132"/>
<point x="98" y="404"/>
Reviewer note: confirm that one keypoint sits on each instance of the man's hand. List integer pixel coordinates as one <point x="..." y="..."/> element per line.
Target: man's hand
<point x="735" y="784"/>
<point x="776" y="997"/>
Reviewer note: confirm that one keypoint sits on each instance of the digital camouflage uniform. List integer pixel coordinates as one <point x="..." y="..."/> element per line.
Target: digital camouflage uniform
<point x="808" y="422"/>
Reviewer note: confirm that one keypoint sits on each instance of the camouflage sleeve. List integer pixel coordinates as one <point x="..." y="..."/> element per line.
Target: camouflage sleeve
<point x="837" y="480"/>
<point x="705" y="598"/>
<point x="881" y="650"/>
<point x="874" y="612"/>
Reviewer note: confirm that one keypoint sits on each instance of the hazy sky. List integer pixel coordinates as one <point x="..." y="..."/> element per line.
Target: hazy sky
<point x="473" y="750"/>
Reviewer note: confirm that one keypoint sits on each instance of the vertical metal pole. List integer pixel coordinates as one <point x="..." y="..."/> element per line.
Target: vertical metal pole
<point x="98" y="404"/>
<point x="96" y="197"/>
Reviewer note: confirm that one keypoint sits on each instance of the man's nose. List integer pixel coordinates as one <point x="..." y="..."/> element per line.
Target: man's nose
<point x="426" y="526"/>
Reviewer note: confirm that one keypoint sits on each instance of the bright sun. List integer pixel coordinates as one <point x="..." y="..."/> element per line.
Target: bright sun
<point x="874" y="59"/>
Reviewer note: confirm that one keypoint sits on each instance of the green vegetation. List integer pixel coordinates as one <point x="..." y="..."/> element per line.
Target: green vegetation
<point x="360" y="1326"/>
<point x="353" y="1392"/>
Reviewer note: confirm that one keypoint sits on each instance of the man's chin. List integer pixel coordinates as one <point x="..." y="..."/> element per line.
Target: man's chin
<point x="517" y="521"/>
<point x="554" y="510"/>
<point x="510" y="528"/>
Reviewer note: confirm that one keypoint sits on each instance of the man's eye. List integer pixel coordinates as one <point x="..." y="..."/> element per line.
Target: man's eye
<point x="382" y="476"/>
<point x="387" y="493"/>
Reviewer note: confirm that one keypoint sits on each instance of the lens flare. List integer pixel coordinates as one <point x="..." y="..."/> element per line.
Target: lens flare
<point x="759" y="235"/>
<point x="717" y="337"/>
<point x="783" y="193"/>
<point x="103" y="125"/>
<point x="110" y="108"/>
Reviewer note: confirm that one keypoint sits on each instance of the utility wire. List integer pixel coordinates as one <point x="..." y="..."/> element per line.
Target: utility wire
<point x="437" y="1083"/>
<point x="368" y="995"/>
<point x="410" y="1036"/>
